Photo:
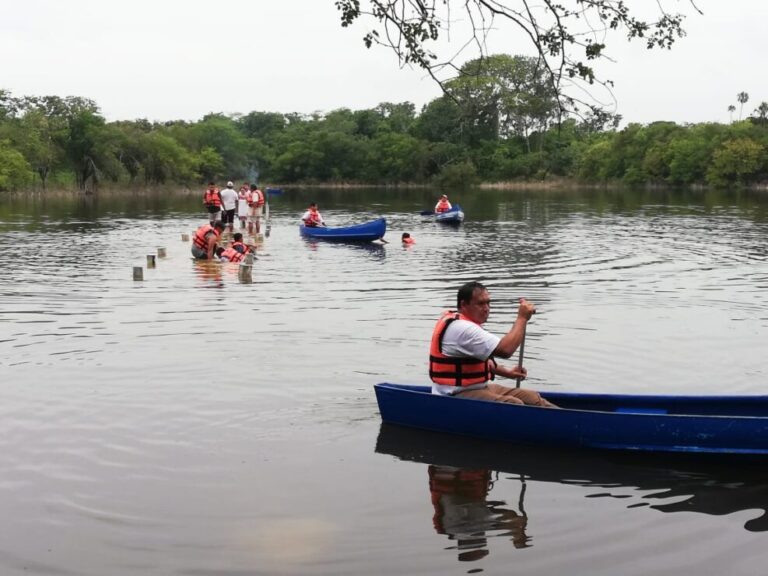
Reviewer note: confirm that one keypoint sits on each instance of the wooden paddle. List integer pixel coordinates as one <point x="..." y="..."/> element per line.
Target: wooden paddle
<point x="520" y="358"/>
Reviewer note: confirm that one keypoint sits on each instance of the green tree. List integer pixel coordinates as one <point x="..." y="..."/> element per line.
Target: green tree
<point x="209" y="163"/>
<point x="91" y="148"/>
<point x="395" y="157"/>
<point x="737" y="161"/>
<point x="166" y="160"/>
<point x="761" y="114"/>
<point x="39" y="141"/>
<point x="15" y="172"/>
<point x="504" y="95"/>
<point x="440" y="121"/>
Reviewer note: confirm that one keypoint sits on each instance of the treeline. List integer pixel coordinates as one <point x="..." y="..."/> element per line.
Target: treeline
<point x="498" y="122"/>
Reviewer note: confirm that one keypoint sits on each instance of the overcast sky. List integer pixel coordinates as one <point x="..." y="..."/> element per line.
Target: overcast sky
<point x="173" y="59"/>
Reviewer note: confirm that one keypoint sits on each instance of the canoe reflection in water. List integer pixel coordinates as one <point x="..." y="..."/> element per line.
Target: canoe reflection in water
<point x="464" y="513"/>
<point x="461" y="469"/>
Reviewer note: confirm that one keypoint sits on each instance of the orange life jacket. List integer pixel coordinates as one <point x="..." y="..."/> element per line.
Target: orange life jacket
<point x="455" y="371"/>
<point x="200" y="239"/>
<point x="240" y="247"/>
<point x="233" y="255"/>
<point x="443" y="206"/>
<point x="313" y="219"/>
<point x="258" y="197"/>
<point x="409" y="241"/>
<point x="212" y="197"/>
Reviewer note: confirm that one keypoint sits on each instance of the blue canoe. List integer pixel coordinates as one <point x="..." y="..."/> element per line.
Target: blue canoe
<point x="366" y="232"/>
<point x="453" y="216"/>
<point x="694" y="424"/>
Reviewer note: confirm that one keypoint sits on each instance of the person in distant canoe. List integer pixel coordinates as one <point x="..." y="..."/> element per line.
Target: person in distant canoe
<point x="407" y="240"/>
<point x="229" y="205"/>
<point x="461" y="354"/>
<point x="258" y="199"/>
<point x="212" y="201"/>
<point x="312" y="217"/>
<point x="443" y="205"/>
<point x="204" y="240"/>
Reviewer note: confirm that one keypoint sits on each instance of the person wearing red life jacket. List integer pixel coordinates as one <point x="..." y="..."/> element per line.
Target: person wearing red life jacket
<point x="212" y="201"/>
<point x="239" y="245"/>
<point x="461" y="354"/>
<point x="443" y="205"/>
<point x="204" y="240"/>
<point x="407" y="240"/>
<point x="258" y="199"/>
<point x="312" y="218"/>
<point x="236" y="251"/>
<point x="229" y="254"/>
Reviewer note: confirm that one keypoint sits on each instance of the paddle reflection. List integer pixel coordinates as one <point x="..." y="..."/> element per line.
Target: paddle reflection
<point x="675" y="483"/>
<point x="464" y="513"/>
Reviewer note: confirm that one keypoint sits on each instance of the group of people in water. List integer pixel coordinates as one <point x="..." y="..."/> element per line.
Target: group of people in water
<point x="248" y="204"/>
<point x="205" y="244"/>
<point x="462" y="353"/>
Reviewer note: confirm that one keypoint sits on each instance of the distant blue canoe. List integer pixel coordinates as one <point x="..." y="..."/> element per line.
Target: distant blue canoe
<point x="453" y="216"/>
<point x="366" y="232"/>
<point x="736" y="425"/>
<point x="274" y="191"/>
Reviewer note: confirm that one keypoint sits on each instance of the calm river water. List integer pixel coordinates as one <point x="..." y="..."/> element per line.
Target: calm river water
<point x="193" y="425"/>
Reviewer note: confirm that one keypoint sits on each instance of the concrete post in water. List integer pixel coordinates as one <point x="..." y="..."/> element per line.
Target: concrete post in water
<point x="185" y="237"/>
<point x="249" y="259"/>
<point x="161" y="252"/>
<point x="150" y="260"/>
<point x="258" y="237"/>
<point x="138" y="273"/>
<point x="245" y="273"/>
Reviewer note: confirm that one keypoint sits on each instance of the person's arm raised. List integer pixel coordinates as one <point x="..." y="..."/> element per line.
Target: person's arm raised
<point x="512" y="339"/>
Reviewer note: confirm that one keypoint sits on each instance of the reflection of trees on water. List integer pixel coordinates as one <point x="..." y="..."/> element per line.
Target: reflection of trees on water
<point x="465" y="514"/>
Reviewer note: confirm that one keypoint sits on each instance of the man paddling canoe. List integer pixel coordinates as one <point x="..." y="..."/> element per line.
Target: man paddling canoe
<point x="461" y="355"/>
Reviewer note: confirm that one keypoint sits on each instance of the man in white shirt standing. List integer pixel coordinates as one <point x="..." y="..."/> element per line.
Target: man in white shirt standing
<point x="229" y="204"/>
<point x="461" y="356"/>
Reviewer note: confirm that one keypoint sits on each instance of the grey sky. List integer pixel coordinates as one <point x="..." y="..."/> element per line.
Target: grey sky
<point x="168" y="59"/>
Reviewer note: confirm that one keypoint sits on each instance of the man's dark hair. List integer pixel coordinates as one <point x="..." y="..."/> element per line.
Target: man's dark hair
<point x="237" y="237"/>
<point x="219" y="224"/>
<point x="466" y="291"/>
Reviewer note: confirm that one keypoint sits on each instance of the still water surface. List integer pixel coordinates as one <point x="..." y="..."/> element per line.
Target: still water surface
<point x="193" y="425"/>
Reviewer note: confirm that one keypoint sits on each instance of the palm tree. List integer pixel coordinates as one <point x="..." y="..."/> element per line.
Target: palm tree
<point x="762" y="113"/>
<point x="731" y="110"/>
<point x="742" y="97"/>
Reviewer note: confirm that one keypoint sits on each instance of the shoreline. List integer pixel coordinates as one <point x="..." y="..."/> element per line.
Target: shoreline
<point x="531" y="185"/>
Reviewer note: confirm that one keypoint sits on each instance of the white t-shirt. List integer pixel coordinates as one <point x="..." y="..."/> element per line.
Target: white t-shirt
<point x="228" y="198"/>
<point x="466" y="339"/>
